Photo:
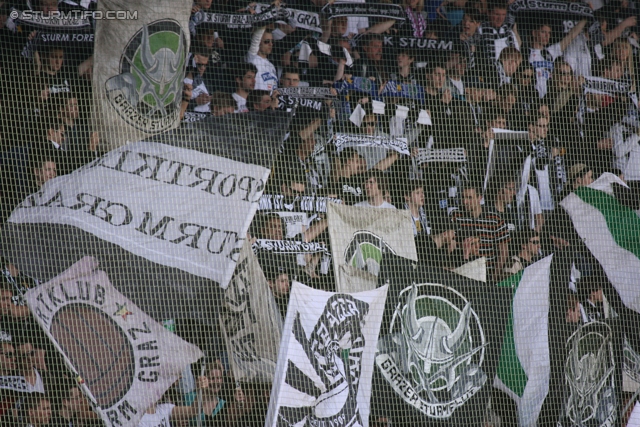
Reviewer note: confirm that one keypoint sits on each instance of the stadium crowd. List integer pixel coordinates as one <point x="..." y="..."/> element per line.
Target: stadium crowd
<point x="476" y="117"/>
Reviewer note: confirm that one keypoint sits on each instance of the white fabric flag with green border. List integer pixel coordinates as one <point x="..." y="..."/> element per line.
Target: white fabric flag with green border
<point x="524" y="366"/>
<point x="611" y="231"/>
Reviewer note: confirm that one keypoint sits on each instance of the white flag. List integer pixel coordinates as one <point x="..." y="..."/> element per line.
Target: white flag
<point x="167" y="204"/>
<point x="251" y="321"/>
<point x="138" y="69"/>
<point x="325" y="365"/>
<point x="123" y="359"/>
<point x="359" y="236"/>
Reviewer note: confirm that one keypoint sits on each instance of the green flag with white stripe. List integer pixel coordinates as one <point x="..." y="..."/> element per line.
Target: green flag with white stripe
<point x="611" y="231"/>
<point x="524" y="366"/>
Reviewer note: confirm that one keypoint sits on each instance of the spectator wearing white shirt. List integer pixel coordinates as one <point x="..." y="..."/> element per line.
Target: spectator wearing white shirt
<point x="261" y="48"/>
<point x="245" y="78"/>
<point x="355" y="24"/>
<point x="375" y="188"/>
<point x="541" y="56"/>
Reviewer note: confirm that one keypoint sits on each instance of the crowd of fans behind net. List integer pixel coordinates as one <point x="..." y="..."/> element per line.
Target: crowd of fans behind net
<point x="486" y="70"/>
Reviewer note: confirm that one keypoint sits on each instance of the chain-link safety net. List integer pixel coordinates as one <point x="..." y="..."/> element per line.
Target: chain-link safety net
<point x="318" y="213"/>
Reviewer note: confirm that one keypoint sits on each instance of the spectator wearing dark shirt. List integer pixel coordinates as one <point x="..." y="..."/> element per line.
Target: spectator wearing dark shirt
<point x="346" y="181"/>
<point x="451" y="118"/>
<point x="476" y="220"/>
<point x="371" y="64"/>
<point x="528" y="242"/>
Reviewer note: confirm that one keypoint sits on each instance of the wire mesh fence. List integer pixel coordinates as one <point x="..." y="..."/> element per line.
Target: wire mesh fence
<point x="319" y="213"/>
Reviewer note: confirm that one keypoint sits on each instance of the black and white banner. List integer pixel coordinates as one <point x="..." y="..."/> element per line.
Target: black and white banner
<point x="167" y="204"/>
<point x="15" y="383"/>
<point x="446" y="155"/>
<point x="288" y="103"/>
<point x="551" y="6"/>
<point x="325" y="364"/>
<point x="138" y="71"/>
<point x="360" y="237"/>
<point x="344" y="140"/>
<point x="192" y="116"/>
<point x="289" y="247"/>
<point x="310" y="204"/>
<point x="56" y="19"/>
<point x="296" y="18"/>
<point x="372" y="10"/>
<point x="295" y="223"/>
<point x="67" y="39"/>
<point x="123" y="360"/>
<point x="251" y="322"/>
<point x="439" y="345"/>
<point x="605" y="86"/>
<point x="307" y="92"/>
<point x="239" y="21"/>
<point x="418" y="43"/>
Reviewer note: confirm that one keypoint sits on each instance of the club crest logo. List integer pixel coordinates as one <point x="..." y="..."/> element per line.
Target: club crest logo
<point x="589" y="375"/>
<point x="365" y="252"/>
<point x="434" y="353"/>
<point x="147" y="92"/>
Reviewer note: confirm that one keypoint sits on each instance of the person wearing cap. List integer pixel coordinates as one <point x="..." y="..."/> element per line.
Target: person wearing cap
<point x="580" y="175"/>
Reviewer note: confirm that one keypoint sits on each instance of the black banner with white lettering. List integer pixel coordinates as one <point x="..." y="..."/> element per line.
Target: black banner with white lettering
<point x="289" y="247"/>
<point x="372" y="10"/>
<point x="296" y="18"/>
<point x="419" y="44"/>
<point x="307" y="92"/>
<point x="240" y="21"/>
<point x="311" y="204"/>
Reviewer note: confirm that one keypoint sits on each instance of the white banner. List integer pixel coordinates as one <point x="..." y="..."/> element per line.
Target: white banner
<point x="251" y="322"/>
<point x="138" y="70"/>
<point x="325" y="364"/>
<point x="167" y="204"/>
<point x="359" y="236"/>
<point x="343" y="140"/>
<point x="123" y="360"/>
<point x="445" y="155"/>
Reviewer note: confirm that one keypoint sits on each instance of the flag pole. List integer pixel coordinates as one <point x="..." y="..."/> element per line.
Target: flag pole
<point x="202" y="373"/>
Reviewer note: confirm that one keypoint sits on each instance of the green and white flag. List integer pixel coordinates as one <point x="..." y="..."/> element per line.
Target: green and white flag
<point x="139" y="69"/>
<point x="611" y="231"/>
<point x="524" y="366"/>
<point x="360" y="236"/>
